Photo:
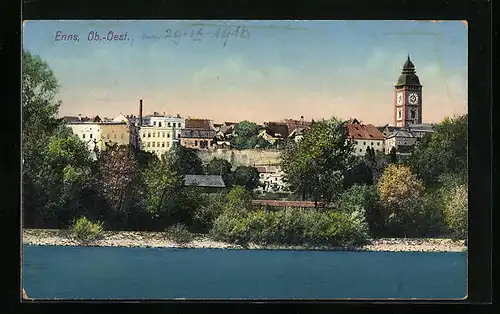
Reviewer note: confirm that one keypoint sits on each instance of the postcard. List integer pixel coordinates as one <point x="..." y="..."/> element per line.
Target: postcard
<point x="244" y="159"/>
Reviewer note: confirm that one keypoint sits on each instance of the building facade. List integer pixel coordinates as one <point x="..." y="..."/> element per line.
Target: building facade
<point x="271" y="179"/>
<point x="364" y="136"/>
<point x="401" y="140"/>
<point x="156" y="139"/>
<point x="89" y="133"/>
<point x="117" y="134"/>
<point x="198" y="134"/>
<point x="408" y="97"/>
<point x="175" y="123"/>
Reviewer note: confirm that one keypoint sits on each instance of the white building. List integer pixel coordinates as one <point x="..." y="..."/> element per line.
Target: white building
<point x="89" y="133"/>
<point x="402" y="140"/>
<point x="177" y="123"/>
<point x="156" y="139"/>
<point x="364" y="136"/>
<point x="271" y="179"/>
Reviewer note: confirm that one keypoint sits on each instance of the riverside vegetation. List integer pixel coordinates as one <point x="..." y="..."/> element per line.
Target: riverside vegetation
<point x="421" y="195"/>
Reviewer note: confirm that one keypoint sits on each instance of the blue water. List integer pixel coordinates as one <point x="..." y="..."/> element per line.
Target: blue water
<point x="137" y="273"/>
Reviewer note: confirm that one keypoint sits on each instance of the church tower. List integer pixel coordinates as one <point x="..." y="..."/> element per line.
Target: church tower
<point x="408" y="97"/>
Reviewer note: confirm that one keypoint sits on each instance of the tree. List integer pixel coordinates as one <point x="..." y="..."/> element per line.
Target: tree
<point x="401" y="195"/>
<point x="118" y="173"/>
<point x="238" y="200"/>
<point x="441" y="152"/>
<point x="162" y="183"/>
<point x="394" y="156"/>
<point x="315" y="166"/>
<point x="220" y="167"/>
<point x="245" y="135"/>
<point x="456" y="210"/>
<point x="186" y="160"/>
<point x="247" y="177"/>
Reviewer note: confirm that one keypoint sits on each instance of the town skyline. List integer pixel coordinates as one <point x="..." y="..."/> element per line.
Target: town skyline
<point x="280" y="70"/>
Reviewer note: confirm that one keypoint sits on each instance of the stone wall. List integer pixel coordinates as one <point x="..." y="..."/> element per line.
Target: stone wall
<point x="246" y="157"/>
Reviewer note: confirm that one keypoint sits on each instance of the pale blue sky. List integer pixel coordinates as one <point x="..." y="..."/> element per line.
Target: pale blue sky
<point x="285" y="69"/>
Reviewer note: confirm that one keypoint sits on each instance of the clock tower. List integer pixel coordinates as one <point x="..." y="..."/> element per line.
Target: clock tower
<point x="408" y="97"/>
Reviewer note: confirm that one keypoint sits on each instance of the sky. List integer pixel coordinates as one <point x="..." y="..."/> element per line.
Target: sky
<point x="262" y="71"/>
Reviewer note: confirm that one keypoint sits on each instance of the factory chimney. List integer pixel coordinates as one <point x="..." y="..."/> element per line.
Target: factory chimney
<point x="140" y="112"/>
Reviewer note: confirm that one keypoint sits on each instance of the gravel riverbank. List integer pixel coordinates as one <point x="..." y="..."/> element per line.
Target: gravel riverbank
<point x="160" y="240"/>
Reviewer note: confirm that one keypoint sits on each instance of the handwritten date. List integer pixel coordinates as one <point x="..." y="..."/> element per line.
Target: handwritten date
<point x="221" y="33"/>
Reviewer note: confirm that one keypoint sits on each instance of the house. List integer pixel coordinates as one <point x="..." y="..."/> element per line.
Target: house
<point x="177" y="123"/>
<point x="156" y="139"/>
<point x="364" y="136"/>
<point x="89" y="133"/>
<point x="401" y="140"/>
<point x="297" y="128"/>
<point x="420" y="130"/>
<point x="117" y="134"/>
<point x="198" y="134"/>
<point x="271" y="179"/>
<point x="208" y="183"/>
<point x="274" y="132"/>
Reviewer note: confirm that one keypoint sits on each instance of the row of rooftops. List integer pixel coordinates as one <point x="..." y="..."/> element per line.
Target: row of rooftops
<point x="283" y="129"/>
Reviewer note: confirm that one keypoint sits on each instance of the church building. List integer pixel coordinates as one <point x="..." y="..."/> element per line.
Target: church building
<point x="408" y="97"/>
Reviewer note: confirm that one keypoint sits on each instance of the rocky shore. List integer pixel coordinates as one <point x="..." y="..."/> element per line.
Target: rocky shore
<point x="160" y="240"/>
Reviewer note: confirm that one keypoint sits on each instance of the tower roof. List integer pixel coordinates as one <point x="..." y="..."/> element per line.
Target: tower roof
<point x="408" y="76"/>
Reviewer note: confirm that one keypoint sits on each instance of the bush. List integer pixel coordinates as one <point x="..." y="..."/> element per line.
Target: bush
<point x="238" y="200"/>
<point x="85" y="231"/>
<point x="179" y="234"/>
<point x="206" y="214"/>
<point x="292" y="227"/>
<point x="456" y="210"/>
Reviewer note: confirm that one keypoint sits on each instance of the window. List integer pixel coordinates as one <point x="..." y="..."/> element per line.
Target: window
<point x="168" y="135"/>
<point x="154" y="134"/>
<point x="163" y="144"/>
<point x="360" y="150"/>
<point x="159" y="124"/>
<point x="195" y="143"/>
<point x="143" y="134"/>
<point x="83" y="135"/>
<point x="364" y="143"/>
<point x="169" y="124"/>
<point x="154" y="144"/>
<point x="154" y="123"/>
<point x="149" y="134"/>
<point x="157" y="144"/>
<point x="149" y="144"/>
<point x="378" y="143"/>
<point x="90" y="135"/>
<point x="163" y="134"/>
<point x="372" y="143"/>
<point x="179" y="125"/>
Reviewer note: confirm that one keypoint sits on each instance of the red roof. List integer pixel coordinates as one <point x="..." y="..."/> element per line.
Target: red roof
<point x="273" y="203"/>
<point x="198" y="124"/>
<point x="364" y="132"/>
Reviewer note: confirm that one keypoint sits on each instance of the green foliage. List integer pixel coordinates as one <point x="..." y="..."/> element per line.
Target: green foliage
<point x="185" y="160"/>
<point x="238" y="200"/>
<point x="247" y="177"/>
<point x="85" y="231"/>
<point x="245" y="135"/>
<point x="161" y="183"/>
<point x="456" y="210"/>
<point x="220" y="167"/>
<point x="316" y="164"/>
<point x="291" y="227"/>
<point x="442" y="152"/>
<point x="211" y="208"/>
<point x="179" y="234"/>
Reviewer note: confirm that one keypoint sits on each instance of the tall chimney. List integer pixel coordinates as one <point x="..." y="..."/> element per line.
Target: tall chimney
<point x="140" y="112"/>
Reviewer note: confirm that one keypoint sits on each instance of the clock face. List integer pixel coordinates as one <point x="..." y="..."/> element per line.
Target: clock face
<point x="399" y="98"/>
<point x="413" y="99"/>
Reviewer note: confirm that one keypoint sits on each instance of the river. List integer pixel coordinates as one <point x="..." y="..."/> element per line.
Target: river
<point x="166" y="273"/>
